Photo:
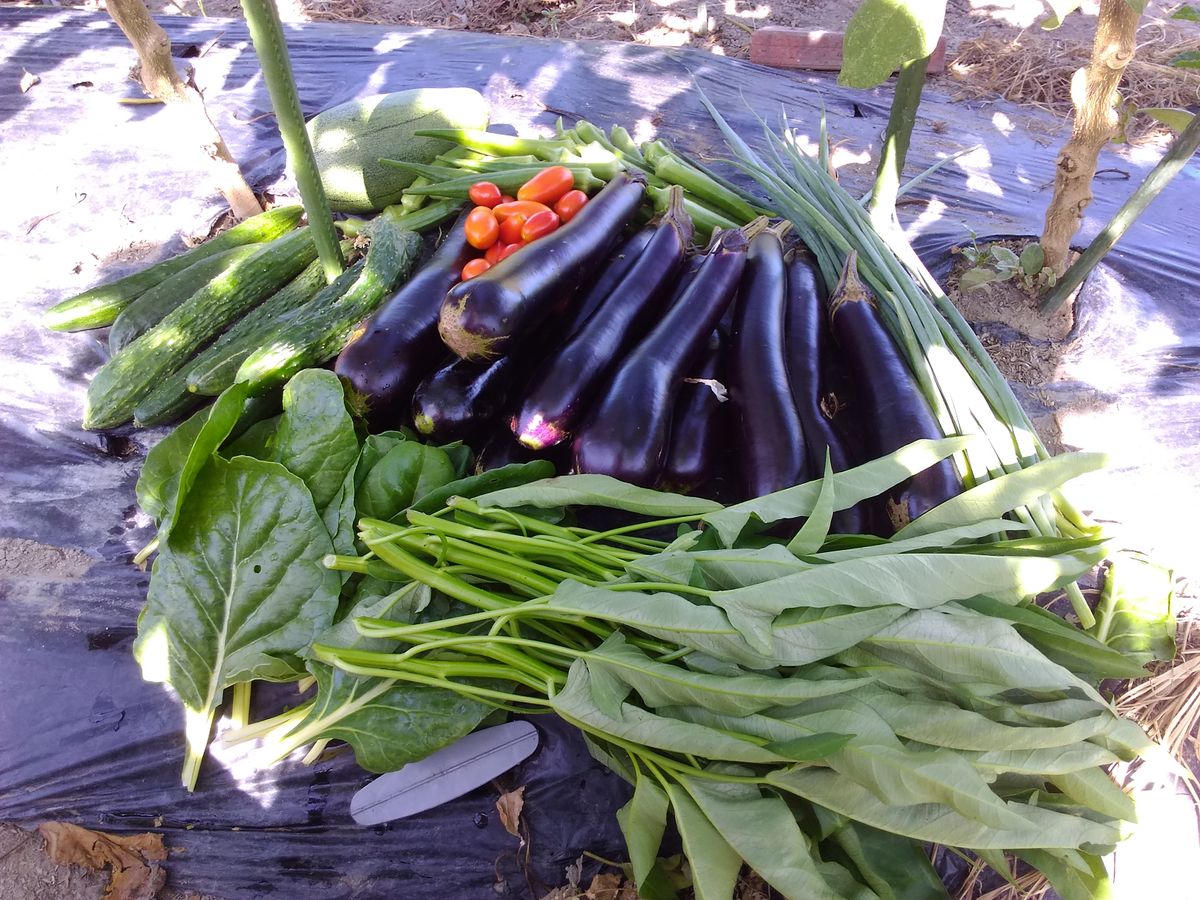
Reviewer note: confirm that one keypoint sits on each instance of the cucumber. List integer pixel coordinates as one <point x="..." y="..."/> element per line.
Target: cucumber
<point x="151" y="307"/>
<point x="348" y="141"/>
<point x="130" y="376"/>
<point x="317" y="335"/>
<point x="172" y="398"/>
<point x="99" y="306"/>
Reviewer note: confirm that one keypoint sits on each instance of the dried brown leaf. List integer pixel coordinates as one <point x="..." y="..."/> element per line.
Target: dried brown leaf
<point x="509" y="806"/>
<point x="611" y="886"/>
<point x="133" y="860"/>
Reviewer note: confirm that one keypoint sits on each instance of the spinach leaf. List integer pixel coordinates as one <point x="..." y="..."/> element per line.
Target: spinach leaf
<point x="460" y="457"/>
<point x="238" y="590"/>
<point x="404" y="474"/>
<point x="316" y="438"/>
<point x="257" y="441"/>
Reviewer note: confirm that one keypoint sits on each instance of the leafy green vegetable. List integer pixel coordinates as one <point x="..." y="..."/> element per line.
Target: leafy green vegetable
<point x="1136" y="614"/>
<point x="895" y="868"/>
<point x="510" y="476"/>
<point x="715" y="865"/>
<point x="598" y="490"/>
<point x="316" y="439"/>
<point x="403" y="475"/>
<point x="643" y="820"/>
<point x="883" y="34"/>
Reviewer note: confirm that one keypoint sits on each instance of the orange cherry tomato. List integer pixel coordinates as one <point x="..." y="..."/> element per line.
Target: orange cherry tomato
<point x="540" y="225"/>
<point x="475" y="267"/>
<point x="482" y="228"/>
<point x="484" y="193"/>
<point x="569" y="204"/>
<point x="493" y="252"/>
<point x="510" y="249"/>
<point x="524" y="208"/>
<point x="548" y="185"/>
<point x="510" y="229"/>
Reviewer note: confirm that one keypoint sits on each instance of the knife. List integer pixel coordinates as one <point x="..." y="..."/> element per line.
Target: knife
<point x="444" y="774"/>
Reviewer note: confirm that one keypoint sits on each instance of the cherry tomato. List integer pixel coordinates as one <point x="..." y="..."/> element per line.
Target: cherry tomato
<point x="484" y="193"/>
<point x="475" y="267"/>
<point x="569" y="204"/>
<point x="510" y="249"/>
<point x="505" y="198"/>
<point x="540" y="225"/>
<point x="493" y="252"/>
<point x="548" y="185"/>
<point x="482" y="228"/>
<point x="524" y="208"/>
<point x="510" y="229"/>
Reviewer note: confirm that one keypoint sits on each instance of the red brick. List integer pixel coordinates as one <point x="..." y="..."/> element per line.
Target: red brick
<point x="802" y="48"/>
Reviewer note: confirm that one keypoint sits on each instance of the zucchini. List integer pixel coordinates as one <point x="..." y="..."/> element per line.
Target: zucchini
<point x="349" y="139"/>
<point x="316" y="335"/>
<point x="126" y="379"/>
<point x="99" y="306"/>
<point x="151" y="307"/>
<point x="172" y="397"/>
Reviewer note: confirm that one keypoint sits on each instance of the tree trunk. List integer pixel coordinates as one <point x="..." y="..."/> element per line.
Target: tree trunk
<point x="159" y="78"/>
<point x="1093" y="91"/>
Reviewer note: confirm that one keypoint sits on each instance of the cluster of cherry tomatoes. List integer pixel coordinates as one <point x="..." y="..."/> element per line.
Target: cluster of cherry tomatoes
<point x="500" y="225"/>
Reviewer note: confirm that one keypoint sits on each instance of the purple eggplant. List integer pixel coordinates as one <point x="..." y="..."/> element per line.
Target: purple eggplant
<point x="894" y="411"/>
<point x="619" y="262"/>
<point x="484" y="318"/>
<point x="628" y="432"/>
<point x="459" y="401"/>
<point x="700" y="445"/>
<point x="567" y="382"/>
<point x="399" y="345"/>
<point x="769" y="438"/>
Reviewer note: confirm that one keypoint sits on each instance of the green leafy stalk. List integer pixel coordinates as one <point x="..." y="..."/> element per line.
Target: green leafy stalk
<point x="896" y="138"/>
<point x="266" y="30"/>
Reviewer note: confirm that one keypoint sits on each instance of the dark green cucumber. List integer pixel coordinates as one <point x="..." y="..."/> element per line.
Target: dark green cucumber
<point x="129" y="377"/>
<point x="316" y="335"/>
<point x="100" y="306"/>
<point x="172" y="398"/>
<point x="152" y="307"/>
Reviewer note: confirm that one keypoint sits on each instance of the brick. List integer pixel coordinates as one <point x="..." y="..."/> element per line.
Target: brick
<point x="803" y="48"/>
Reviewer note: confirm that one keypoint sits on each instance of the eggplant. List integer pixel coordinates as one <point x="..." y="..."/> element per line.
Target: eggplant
<point x="819" y="391"/>
<point x="769" y="437"/>
<point x="894" y="411"/>
<point x="628" y="432"/>
<point x="483" y="318"/>
<point x="458" y="401"/>
<point x="399" y="345"/>
<point x="568" y="381"/>
<point x="500" y="448"/>
<point x="699" y="451"/>
<point x="619" y="262"/>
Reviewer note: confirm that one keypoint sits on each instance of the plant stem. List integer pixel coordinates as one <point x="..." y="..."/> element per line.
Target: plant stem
<point x="262" y="20"/>
<point x="239" y="712"/>
<point x="903" y="116"/>
<point x="1177" y="156"/>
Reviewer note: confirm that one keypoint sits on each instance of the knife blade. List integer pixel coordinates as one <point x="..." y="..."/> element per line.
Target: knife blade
<point x="466" y="764"/>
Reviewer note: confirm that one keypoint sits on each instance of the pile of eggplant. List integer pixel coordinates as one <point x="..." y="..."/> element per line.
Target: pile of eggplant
<point x="609" y="348"/>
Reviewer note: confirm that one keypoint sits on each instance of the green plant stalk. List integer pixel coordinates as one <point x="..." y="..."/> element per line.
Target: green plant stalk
<point x="674" y="171"/>
<point x="266" y="31"/>
<point x="495" y="144"/>
<point x="903" y="117"/>
<point x="1176" y="157"/>
<point x="239" y="707"/>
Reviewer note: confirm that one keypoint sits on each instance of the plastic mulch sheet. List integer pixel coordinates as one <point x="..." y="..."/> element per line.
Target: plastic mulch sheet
<point x="96" y="188"/>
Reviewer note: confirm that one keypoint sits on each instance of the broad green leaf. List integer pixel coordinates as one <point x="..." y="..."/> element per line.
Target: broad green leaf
<point x="1046" y="761"/>
<point x="643" y="820"/>
<point x="940" y="824"/>
<point x="338" y="517"/>
<point x="575" y="704"/>
<point x="1136" y="613"/>
<point x="1004" y="257"/>
<point x="1094" y="789"/>
<point x="976" y="278"/>
<point x="992" y="499"/>
<point x="316" y="439"/>
<point x="460" y="457"/>
<point x="850" y="486"/>
<point x="405" y="474"/>
<point x="257" y="441"/>
<point x="1072" y="874"/>
<point x="763" y="832"/>
<point x="811" y="747"/>
<point x="935" y="540"/>
<point x="514" y="475"/>
<point x="1174" y="119"/>
<point x="598" y="490"/>
<point x="802" y="636"/>
<point x="374" y="448"/>
<point x="611" y="757"/>
<point x="718" y="568"/>
<point x="1188" y="13"/>
<point x="715" y="865"/>
<point x="895" y="867"/>
<point x="664" y="684"/>
<point x="815" y="530"/>
<point x="1189" y="59"/>
<point x="238" y="589"/>
<point x="883" y="34"/>
<point x="1032" y="259"/>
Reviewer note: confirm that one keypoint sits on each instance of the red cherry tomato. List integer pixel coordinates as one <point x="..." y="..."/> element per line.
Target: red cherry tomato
<point x="540" y="225"/>
<point x="510" y="229"/>
<point x="524" y="208"/>
<point x="484" y="193"/>
<point x="493" y="252"/>
<point x="510" y="249"/>
<point x="475" y="267"/>
<point x="507" y="199"/>
<point x="569" y="204"/>
<point x="482" y="228"/>
<point x="548" y="185"/>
